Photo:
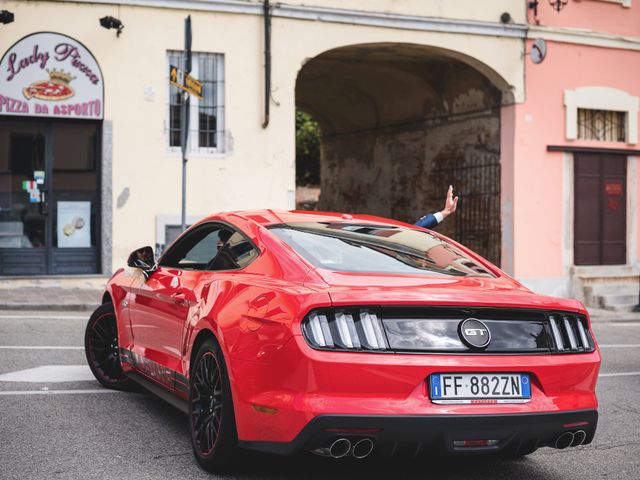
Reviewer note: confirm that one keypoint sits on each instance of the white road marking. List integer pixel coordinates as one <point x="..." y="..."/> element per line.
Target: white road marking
<point x="57" y="392"/>
<point x="621" y="374"/>
<point x="38" y="347"/>
<point x="620" y="345"/>
<point x="50" y="374"/>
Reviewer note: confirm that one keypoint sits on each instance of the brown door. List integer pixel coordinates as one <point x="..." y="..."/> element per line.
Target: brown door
<point x="600" y="209"/>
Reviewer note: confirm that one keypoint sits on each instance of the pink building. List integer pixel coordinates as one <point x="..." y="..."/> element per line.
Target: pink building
<point x="575" y="173"/>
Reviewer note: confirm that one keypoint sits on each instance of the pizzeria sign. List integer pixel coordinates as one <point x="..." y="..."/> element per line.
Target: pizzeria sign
<point x="48" y="74"/>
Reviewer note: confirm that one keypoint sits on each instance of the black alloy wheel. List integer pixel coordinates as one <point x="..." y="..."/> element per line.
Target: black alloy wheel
<point x="211" y="417"/>
<point x="101" y="349"/>
<point x="206" y="403"/>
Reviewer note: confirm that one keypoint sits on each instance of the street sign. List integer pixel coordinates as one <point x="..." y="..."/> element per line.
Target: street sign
<point x="184" y="81"/>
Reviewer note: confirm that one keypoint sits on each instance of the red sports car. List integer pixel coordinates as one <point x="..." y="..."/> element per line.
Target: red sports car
<point x="345" y="336"/>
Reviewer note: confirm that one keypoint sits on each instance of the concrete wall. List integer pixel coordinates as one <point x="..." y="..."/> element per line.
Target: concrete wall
<point x="405" y="174"/>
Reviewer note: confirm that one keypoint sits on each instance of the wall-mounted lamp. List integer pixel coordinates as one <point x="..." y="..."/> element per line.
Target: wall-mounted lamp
<point x="558" y="4"/>
<point x="112" y="22"/>
<point x="6" y="17"/>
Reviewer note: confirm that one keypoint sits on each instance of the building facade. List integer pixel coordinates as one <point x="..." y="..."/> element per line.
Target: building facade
<point x="410" y="96"/>
<point x="575" y="155"/>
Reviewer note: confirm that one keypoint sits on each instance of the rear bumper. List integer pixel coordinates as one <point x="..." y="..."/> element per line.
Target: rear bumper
<point x="277" y="398"/>
<point x="417" y="435"/>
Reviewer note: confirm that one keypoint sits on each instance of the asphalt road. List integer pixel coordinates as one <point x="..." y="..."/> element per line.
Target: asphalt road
<point x="57" y="422"/>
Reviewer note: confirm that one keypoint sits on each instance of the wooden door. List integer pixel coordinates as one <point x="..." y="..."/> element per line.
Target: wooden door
<point x="600" y="212"/>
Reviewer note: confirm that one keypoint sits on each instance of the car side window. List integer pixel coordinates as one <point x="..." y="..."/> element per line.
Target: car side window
<point x="202" y="252"/>
<point x="211" y="247"/>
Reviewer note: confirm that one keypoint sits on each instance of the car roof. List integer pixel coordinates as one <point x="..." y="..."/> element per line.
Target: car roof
<point x="276" y="217"/>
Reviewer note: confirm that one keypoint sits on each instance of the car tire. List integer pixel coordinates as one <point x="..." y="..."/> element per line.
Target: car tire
<point x="212" y="422"/>
<point x="102" y="350"/>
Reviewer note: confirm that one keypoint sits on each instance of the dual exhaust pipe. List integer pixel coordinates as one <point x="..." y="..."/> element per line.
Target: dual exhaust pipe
<point x="570" y="439"/>
<point x="362" y="448"/>
<point x="343" y="446"/>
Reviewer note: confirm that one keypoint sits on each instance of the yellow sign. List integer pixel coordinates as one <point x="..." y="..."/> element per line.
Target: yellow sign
<point x="185" y="81"/>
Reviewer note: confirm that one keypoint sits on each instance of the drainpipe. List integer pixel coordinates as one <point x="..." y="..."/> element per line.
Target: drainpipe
<point x="267" y="61"/>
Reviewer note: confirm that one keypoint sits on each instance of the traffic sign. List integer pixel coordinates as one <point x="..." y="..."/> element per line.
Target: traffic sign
<point x="184" y="81"/>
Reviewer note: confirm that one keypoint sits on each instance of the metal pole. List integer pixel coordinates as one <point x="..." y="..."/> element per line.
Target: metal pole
<point x="185" y="141"/>
<point x="185" y="121"/>
<point x="267" y="61"/>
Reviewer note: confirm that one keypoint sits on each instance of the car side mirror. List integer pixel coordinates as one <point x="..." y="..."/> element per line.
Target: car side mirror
<point x="144" y="259"/>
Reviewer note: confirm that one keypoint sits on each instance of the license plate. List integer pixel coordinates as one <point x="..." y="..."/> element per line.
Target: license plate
<point x="480" y="388"/>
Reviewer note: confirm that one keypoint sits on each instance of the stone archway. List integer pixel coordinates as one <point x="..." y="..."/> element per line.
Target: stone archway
<point x="399" y="123"/>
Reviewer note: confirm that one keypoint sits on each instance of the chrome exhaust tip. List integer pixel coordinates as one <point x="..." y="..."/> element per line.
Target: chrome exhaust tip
<point x="340" y="448"/>
<point x="578" y="438"/>
<point x="362" y="448"/>
<point x="563" y="441"/>
<point x="337" y="449"/>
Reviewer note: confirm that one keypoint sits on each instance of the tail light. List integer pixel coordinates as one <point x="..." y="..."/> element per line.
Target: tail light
<point x="436" y="329"/>
<point x="356" y="330"/>
<point x="570" y="333"/>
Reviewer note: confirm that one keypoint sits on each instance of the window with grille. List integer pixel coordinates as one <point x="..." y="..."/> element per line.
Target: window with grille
<point x="602" y="125"/>
<point x="206" y="115"/>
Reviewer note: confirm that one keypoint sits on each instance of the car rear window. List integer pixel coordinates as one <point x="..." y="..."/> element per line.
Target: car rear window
<point x="351" y="247"/>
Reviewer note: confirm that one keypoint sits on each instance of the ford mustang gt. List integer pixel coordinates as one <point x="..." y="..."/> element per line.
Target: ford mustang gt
<point x="344" y="335"/>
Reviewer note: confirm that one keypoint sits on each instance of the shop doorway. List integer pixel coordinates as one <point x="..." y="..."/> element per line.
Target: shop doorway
<point x="600" y="229"/>
<point x="49" y="197"/>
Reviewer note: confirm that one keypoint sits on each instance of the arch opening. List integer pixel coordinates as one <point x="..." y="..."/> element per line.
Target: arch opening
<point x="398" y="124"/>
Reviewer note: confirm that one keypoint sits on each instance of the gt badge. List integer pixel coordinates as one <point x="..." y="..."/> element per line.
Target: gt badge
<point x="474" y="333"/>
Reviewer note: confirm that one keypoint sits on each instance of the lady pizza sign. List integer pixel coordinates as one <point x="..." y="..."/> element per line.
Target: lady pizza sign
<point x="48" y="74"/>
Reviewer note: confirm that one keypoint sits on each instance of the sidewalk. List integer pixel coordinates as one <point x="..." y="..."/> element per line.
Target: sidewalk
<point x="77" y="293"/>
<point x="84" y="293"/>
<point x="599" y="315"/>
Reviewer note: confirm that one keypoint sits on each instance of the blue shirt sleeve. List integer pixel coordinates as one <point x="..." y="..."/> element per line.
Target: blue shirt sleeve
<point x="428" y="221"/>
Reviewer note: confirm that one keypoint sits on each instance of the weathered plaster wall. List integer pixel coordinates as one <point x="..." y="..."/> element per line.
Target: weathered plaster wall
<point x="405" y="174"/>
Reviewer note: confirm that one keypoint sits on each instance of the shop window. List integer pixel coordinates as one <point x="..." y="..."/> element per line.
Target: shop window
<point x="206" y="115"/>
<point x="602" y="125"/>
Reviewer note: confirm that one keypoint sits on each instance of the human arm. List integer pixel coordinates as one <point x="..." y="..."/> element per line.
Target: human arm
<point x="432" y="219"/>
